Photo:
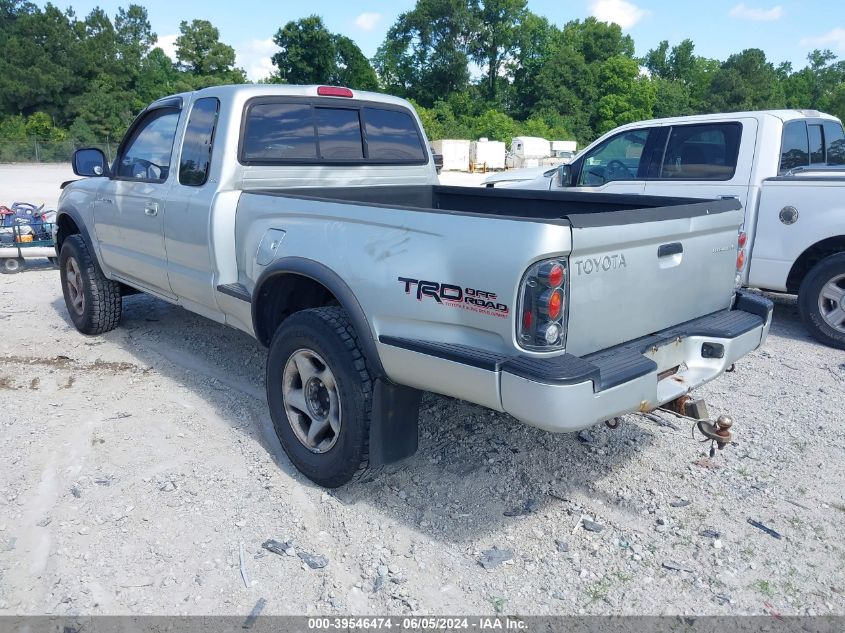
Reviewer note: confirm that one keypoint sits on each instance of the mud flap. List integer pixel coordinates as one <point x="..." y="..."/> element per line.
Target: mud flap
<point x="394" y="428"/>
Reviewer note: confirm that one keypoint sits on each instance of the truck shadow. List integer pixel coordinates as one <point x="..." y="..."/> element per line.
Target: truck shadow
<point x="476" y="470"/>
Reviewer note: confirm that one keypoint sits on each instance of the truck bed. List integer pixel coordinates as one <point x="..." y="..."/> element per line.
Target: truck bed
<point x="662" y="261"/>
<point x="579" y="209"/>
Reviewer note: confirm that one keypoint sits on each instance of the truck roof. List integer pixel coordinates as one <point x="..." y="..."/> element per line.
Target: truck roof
<point x="783" y="115"/>
<point x="283" y="90"/>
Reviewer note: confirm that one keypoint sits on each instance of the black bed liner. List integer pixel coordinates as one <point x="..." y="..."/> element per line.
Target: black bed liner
<point x="581" y="209"/>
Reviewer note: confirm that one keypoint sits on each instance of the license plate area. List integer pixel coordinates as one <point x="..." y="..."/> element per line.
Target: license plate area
<point x="669" y="356"/>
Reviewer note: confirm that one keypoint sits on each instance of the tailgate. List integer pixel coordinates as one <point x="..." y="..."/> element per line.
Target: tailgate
<point x="636" y="272"/>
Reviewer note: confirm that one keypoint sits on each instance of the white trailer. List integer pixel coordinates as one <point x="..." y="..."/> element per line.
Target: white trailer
<point x="487" y="155"/>
<point x="528" y="151"/>
<point x="564" y="149"/>
<point x="455" y="154"/>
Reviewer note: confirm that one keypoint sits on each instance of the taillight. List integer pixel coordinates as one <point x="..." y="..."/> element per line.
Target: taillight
<point x="741" y="241"/>
<point x="551" y="304"/>
<point x="542" y="306"/>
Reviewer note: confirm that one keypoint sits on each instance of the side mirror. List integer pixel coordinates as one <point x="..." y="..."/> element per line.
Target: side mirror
<point x="564" y="173"/>
<point x="89" y="162"/>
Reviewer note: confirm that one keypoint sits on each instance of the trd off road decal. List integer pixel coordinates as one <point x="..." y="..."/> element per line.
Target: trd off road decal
<point x="451" y="295"/>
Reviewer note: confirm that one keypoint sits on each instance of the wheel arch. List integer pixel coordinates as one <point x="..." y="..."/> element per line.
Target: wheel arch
<point x="291" y="284"/>
<point x="69" y="222"/>
<point x="812" y="256"/>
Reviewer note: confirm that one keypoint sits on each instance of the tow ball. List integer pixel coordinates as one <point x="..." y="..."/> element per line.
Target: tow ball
<point x="719" y="432"/>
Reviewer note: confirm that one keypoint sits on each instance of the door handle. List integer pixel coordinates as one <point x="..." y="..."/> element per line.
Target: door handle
<point x="151" y="208"/>
<point x="665" y="250"/>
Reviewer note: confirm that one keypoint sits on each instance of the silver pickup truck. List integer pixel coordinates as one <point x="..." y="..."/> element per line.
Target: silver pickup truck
<point x="311" y="218"/>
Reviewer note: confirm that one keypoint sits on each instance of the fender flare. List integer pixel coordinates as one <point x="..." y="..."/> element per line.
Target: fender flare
<point x="74" y="215"/>
<point x="324" y="275"/>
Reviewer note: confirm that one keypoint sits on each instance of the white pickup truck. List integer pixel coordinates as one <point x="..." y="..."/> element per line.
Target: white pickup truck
<point x="310" y="218"/>
<point x="784" y="167"/>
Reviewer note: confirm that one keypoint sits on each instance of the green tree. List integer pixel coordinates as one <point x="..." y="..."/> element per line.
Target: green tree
<point x="671" y="98"/>
<point x="625" y="95"/>
<point x="134" y="35"/>
<point x="495" y="26"/>
<point x="39" y="65"/>
<point x="311" y="54"/>
<point x="675" y="64"/>
<point x="746" y="81"/>
<point x="424" y="56"/>
<point x="352" y="68"/>
<point x="200" y="52"/>
<point x="308" y="54"/>
<point x="536" y="39"/>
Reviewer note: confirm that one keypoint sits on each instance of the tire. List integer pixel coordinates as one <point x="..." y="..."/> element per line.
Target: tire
<point x="821" y="301"/>
<point x="11" y="265"/>
<point x="100" y="306"/>
<point x="321" y="338"/>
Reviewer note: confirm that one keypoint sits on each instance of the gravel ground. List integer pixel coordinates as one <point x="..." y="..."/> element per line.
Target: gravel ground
<point x="141" y="476"/>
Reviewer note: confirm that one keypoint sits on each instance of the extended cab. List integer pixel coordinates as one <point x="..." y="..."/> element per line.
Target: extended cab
<point x="784" y="166"/>
<point x="310" y="218"/>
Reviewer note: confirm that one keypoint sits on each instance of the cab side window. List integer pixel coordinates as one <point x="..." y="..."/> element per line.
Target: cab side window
<point x="834" y="139"/>
<point x="702" y="152"/>
<point x="814" y="131"/>
<point x="195" y="160"/>
<point x="619" y="158"/>
<point x="795" y="150"/>
<point x="146" y="155"/>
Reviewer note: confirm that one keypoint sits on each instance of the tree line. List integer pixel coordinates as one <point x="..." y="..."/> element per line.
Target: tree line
<point x="472" y="67"/>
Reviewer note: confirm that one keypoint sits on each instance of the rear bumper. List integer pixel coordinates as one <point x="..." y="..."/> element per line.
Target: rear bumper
<point x="568" y="393"/>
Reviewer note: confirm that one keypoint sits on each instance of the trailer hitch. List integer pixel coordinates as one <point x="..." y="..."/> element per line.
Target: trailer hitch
<point x="718" y="433"/>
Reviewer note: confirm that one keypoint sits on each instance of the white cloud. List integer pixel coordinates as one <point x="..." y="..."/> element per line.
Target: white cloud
<point x="757" y="15"/>
<point x="367" y="21"/>
<point x="834" y="39"/>
<point x="255" y="57"/>
<point x="167" y="43"/>
<point x="625" y="14"/>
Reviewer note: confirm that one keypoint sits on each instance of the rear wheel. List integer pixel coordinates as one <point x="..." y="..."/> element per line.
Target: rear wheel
<point x="93" y="301"/>
<point x="320" y="395"/>
<point x="11" y="265"/>
<point x="821" y="301"/>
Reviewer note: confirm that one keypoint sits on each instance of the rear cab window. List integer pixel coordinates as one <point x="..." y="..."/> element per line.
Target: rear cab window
<point x="705" y="151"/>
<point x="392" y="135"/>
<point x="807" y="143"/>
<point x="288" y="130"/>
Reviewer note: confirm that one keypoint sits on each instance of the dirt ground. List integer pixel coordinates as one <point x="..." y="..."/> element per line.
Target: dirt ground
<point x="141" y="475"/>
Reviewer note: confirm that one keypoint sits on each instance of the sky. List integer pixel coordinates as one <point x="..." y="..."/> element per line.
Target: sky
<point x="786" y="30"/>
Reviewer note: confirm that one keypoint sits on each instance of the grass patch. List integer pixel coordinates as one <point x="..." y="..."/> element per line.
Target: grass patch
<point x="764" y="587"/>
<point x="498" y="604"/>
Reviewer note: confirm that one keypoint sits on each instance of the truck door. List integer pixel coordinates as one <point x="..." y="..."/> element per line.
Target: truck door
<point x="187" y="225"/>
<point x="705" y="160"/>
<point x="129" y="210"/>
<point x="618" y="165"/>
